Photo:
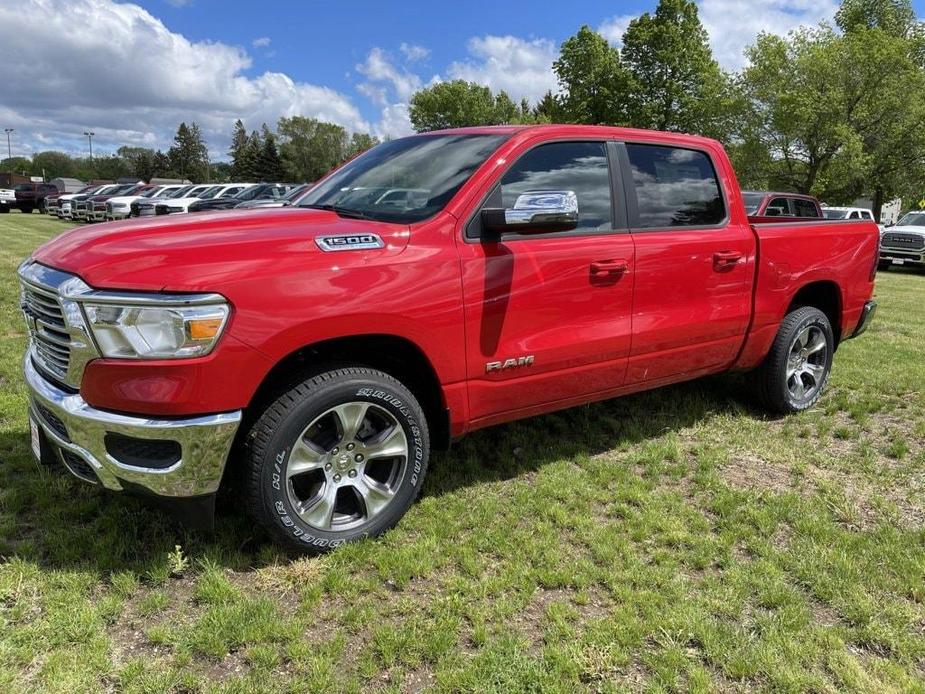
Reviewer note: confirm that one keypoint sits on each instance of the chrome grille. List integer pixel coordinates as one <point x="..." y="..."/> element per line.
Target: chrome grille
<point x="51" y="341"/>
<point x="895" y="239"/>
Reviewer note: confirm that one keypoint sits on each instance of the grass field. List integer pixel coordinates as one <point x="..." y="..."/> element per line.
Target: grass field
<point x="674" y="540"/>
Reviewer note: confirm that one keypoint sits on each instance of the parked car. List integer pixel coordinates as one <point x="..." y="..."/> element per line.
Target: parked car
<point x="119" y="206"/>
<point x="96" y="204"/>
<point x="774" y="207"/>
<point x="904" y="243"/>
<point x="847" y="213"/>
<point x="321" y="352"/>
<point x="31" y="196"/>
<point x="147" y="207"/>
<point x="76" y="207"/>
<point x="7" y="199"/>
<point x="290" y="198"/>
<point x="261" y="191"/>
<point x="216" y="192"/>
<point x="58" y="203"/>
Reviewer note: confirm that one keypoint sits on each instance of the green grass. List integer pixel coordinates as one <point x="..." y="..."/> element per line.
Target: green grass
<point x="674" y="540"/>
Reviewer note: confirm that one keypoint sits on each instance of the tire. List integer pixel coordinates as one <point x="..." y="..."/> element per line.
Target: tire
<point x="25" y="209"/>
<point x="777" y="385"/>
<point x="4" y="209"/>
<point x="302" y="478"/>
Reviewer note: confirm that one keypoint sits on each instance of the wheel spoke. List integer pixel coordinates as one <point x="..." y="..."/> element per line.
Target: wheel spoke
<point x="318" y="512"/>
<point x="375" y="496"/>
<point x="816" y="344"/>
<point x="815" y="372"/>
<point x="305" y="457"/>
<point x="798" y="389"/>
<point x="351" y="416"/>
<point x="389" y="444"/>
<point x="800" y="342"/>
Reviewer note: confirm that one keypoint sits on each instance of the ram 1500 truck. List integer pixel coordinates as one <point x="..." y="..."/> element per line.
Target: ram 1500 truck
<point x="323" y="350"/>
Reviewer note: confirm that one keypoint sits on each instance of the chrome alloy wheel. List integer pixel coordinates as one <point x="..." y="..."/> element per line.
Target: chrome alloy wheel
<point x="806" y="363"/>
<point x="346" y="466"/>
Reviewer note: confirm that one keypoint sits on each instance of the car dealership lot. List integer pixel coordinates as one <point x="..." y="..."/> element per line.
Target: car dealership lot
<point x="677" y="539"/>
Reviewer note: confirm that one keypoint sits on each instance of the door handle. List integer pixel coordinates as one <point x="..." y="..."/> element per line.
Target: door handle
<point x="726" y="259"/>
<point x="608" y="267"/>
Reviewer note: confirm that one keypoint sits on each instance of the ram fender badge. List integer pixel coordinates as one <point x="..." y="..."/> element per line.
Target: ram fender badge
<point x="509" y="363"/>
<point x="349" y="242"/>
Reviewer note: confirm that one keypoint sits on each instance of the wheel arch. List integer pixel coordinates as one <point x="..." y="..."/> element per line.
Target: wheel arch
<point x="824" y="295"/>
<point x="397" y="356"/>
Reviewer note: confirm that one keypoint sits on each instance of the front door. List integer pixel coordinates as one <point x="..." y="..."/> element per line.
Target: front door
<point x="548" y="316"/>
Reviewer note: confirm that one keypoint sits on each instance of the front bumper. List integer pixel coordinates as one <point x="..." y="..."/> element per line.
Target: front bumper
<point x="81" y="437"/>
<point x="901" y="256"/>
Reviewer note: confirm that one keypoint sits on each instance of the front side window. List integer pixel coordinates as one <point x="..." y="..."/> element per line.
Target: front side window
<point x="579" y="167"/>
<point x="835" y="214"/>
<point x="675" y="187"/>
<point x="805" y="208"/>
<point x="866" y="215"/>
<point x="427" y="169"/>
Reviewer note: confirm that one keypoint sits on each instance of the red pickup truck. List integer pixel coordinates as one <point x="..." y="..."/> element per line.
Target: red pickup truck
<point x="436" y="284"/>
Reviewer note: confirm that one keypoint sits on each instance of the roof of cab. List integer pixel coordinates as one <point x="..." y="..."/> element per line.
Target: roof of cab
<point x="615" y="132"/>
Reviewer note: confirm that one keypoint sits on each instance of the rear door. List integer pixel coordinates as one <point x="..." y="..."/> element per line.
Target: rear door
<point x="548" y="316"/>
<point x="694" y="267"/>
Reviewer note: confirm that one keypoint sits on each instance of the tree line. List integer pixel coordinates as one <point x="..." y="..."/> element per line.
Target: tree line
<point x="302" y="149"/>
<point x="834" y="111"/>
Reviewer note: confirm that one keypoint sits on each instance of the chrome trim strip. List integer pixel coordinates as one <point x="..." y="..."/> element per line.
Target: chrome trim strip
<point x="205" y="441"/>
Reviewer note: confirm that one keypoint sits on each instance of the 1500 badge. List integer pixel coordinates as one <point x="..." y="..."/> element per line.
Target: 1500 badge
<point x="349" y="242"/>
<point x="512" y="363"/>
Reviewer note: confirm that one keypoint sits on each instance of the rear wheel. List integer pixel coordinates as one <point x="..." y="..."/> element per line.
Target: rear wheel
<point x="25" y="209"/>
<point x="797" y="368"/>
<point x="339" y="457"/>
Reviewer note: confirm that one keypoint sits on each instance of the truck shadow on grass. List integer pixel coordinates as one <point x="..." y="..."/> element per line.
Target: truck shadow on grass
<point x="58" y="522"/>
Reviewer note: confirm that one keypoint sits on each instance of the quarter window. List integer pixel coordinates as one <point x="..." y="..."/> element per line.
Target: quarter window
<point x="580" y="167"/>
<point x="675" y="187"/>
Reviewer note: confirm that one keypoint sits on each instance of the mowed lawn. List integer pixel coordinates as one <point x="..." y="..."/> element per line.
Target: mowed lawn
<point x="674" y="540"/>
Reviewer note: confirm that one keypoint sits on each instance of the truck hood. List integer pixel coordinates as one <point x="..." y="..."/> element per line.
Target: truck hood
<point x="200" y="252"/>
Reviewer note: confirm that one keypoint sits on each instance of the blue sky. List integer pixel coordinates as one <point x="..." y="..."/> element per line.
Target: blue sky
<point x="131" y="71"/>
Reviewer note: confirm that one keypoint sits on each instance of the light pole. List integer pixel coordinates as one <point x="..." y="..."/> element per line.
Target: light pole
<point x="90" y="134"/>
<point x="9" y="153"/>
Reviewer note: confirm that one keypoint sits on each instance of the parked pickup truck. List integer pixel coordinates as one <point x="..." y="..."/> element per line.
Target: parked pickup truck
<point x="904" y="243"/>
<point x="323" y="350"/>
<point x="778" y="207"/>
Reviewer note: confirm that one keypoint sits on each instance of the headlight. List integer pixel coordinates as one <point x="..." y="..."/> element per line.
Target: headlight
<point x="153" y="330"/>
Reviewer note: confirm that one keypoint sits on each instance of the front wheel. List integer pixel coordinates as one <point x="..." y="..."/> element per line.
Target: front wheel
<point x="339" y="457"/>
<point x="797" y="368"/>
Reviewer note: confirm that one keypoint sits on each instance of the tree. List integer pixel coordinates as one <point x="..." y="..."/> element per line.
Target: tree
<point x="673" y="81"/>
<point x="838" y="115"/>
<point x="141" y="161"/>
<point x="359" y="143"/>
<point x="457" y="104"/>
<point x="189" y="156"/>
<point x="236" y="152"/>
<point x="269" y="164"/>
<point x="310" y="148"/>
<point x="592" y="80"/>
<point x="54" y="164"/>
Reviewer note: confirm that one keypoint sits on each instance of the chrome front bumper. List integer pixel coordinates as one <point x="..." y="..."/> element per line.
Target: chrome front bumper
<point x="78" y="440"/>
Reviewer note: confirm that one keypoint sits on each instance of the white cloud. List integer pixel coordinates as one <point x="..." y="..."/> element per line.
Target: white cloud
<point x="614" y="28"/>
<point x="132" y="80"/>
<point x="261" y="42"/>
<point x="734" y="24"/>
<point x="378" y="67"/>
<point x="413" y="52"/>
<point x="179" y="3"/>
<point x="520" y="67"/>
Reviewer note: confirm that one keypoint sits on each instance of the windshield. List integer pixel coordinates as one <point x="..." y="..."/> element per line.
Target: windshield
<point x="209" y="193"/>
<point x="829" y="213"/>
<point x="752" y="202"/>
<point x="253" y="193"/>
<point x="179" y="192"/>
<point x="406" y="180"/>
<point x="149" y="193"/>
<point x="912" y="219"/>
<point x="297" y="192"/>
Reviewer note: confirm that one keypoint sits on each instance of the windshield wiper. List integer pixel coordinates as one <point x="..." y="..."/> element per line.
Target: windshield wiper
<point x="342" y="211"/>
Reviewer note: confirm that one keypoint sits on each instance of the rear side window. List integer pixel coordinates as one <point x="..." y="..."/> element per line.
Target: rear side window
<point x="778" y="207"/>
<point x="580" y="167"/>
<point x="805" y="208"/>
<point x="675" y="187"/>
<point x="866" y="215"/>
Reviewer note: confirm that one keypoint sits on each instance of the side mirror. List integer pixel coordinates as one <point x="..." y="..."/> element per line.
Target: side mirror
<point x="535" y="212"/>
